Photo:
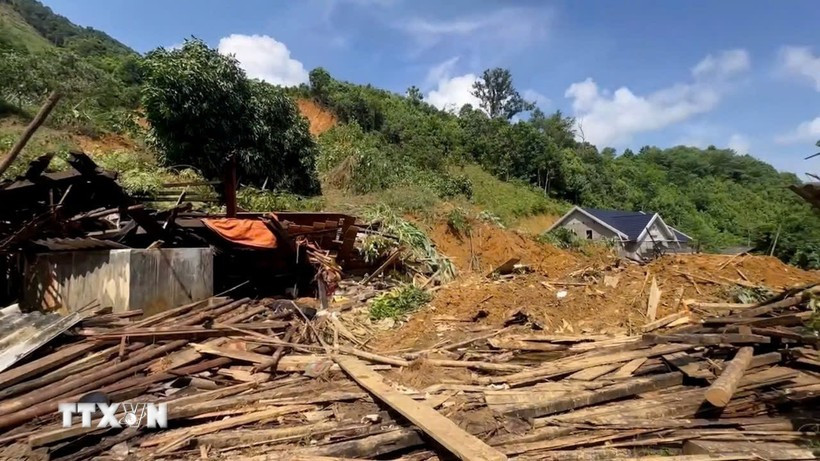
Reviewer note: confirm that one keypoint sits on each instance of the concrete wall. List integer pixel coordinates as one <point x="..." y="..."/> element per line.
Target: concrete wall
<point x="152" y="280"/>
<point x="661" y="238"/>
<point x="581" y="223"/>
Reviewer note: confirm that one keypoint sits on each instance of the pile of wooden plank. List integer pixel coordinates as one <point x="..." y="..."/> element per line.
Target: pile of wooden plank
<point x="271" y="380"/>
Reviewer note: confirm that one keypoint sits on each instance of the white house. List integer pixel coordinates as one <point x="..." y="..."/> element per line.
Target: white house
<point x="639" y="235"/>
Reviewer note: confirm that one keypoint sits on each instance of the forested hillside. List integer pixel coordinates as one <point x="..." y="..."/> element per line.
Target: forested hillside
<point x="505" y="158"/>
<point x="40" y="51"/>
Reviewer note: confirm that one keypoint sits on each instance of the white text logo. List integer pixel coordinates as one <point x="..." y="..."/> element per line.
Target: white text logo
<point x="117" y="415"/>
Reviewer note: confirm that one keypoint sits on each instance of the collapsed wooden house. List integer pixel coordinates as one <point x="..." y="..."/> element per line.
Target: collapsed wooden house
<point x="273" y="379"/>
<point x="69" y="238"/>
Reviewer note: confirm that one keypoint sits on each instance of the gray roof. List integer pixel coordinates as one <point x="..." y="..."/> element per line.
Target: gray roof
<point x="631" y="223"/>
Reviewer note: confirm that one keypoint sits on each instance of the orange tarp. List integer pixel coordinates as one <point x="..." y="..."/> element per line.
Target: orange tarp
<point x="249" y="232"/>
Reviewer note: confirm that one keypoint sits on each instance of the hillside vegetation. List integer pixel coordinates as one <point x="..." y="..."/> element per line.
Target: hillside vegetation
<point x="505" y="158"/>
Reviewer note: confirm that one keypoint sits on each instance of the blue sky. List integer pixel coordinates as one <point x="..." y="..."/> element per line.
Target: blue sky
<point x="743" y="74"/>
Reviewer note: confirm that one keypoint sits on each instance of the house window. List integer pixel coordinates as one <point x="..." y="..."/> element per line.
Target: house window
<point x="589" y="234"/>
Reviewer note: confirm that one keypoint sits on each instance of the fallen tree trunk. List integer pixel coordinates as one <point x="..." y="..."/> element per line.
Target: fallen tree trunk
<point x="721" y="391"/>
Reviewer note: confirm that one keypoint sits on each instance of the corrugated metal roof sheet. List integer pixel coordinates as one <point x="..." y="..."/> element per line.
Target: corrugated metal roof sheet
<point x="22" y="333"/>
<point x="86" y="243"/>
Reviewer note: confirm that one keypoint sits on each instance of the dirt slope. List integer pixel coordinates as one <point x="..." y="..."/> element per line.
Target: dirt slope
<point x="489" y="246"/>
<point x="320" y="118"/>
<point x="474" y="302"/>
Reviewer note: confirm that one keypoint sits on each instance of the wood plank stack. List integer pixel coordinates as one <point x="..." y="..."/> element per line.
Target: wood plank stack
<point x="267" y="380"/>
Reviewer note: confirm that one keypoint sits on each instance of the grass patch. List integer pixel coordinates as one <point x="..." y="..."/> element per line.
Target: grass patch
<point x="563" y="238"/>
<point x="508" y="200"/>
<point x="398" y="303"/>
<point x="410" y="198"/>
<point x="16" y="31"/>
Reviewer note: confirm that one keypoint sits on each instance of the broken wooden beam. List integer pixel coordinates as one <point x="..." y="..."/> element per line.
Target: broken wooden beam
<point x="708" y="338"/>
<point x="460" y="443"/>
<point x="586" y="398"/>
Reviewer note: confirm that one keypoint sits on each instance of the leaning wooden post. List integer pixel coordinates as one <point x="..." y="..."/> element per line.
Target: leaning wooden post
<point x="29" y="132"/>
<point x="230" y="187"/>
<point x="720" y="392"/>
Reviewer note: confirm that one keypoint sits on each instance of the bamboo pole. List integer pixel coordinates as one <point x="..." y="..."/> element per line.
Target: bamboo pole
<point x="32" y="127"/>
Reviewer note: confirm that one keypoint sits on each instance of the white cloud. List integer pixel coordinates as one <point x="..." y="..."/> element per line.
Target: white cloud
<point x="739" y="143"/>
<point x="502" y="28"/>
<point x="800" y="61"/>
<point x="612" y="118"/>
<point x="806" y="132"/>
<point x="440" y="71"/>
<point x="450" y="93"/>
<point x="726" y="64"/>
<point x="536" y="97"/>
<point x="426" y="28"/>
<point x="264" y="58"/>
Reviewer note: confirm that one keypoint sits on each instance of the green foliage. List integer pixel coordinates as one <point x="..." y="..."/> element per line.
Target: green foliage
<point x="203" y="108"/>
<point x="376" y="246"/>
<point x="498" y="96"/>
<point x="409" y="198"/>
<point x="62" y="32"/>
<point x="508" y="201"/>
<point x="41" y="52"/>
<point x="458" y="222"/>
<point x="398" y="302"/>
<point x="363" y="162"/>
<point x="253" y="199"/>
<point x="16" y="33"/>
<point x="420" y="250"/>
<point x="748" y="295"/>
<point x="563" y="238"/>
<point x="490" y="218"/>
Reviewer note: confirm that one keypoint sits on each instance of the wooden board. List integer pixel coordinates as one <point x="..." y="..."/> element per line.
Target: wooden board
<point x="662" y="322"/>
<point x="15" y="375"/>
<point x="654" y="300"/>
<point x="771" y="450"/>
<point x="628" y="368"/>
<point x="465" y="446"/>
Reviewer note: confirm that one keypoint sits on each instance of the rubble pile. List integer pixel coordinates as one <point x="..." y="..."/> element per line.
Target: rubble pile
<point x="277" y="379"/>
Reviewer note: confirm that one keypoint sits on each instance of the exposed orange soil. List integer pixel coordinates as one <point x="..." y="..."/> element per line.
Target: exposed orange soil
<point x="474" y="303"/>
<point x="489" y="246"/>
<point x="320" y="118"/>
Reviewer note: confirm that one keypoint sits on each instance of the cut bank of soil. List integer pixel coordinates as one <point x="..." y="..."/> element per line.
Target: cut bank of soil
<point x="320" y="119"/>
<point x="490" y="246"/>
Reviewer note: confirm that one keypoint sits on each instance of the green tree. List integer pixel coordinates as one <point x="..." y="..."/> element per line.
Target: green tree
<point x="414" y="95"/>
<point x="498" y="96"/>
<point x="203" y="109"/>
<point x="321" y="85"/>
